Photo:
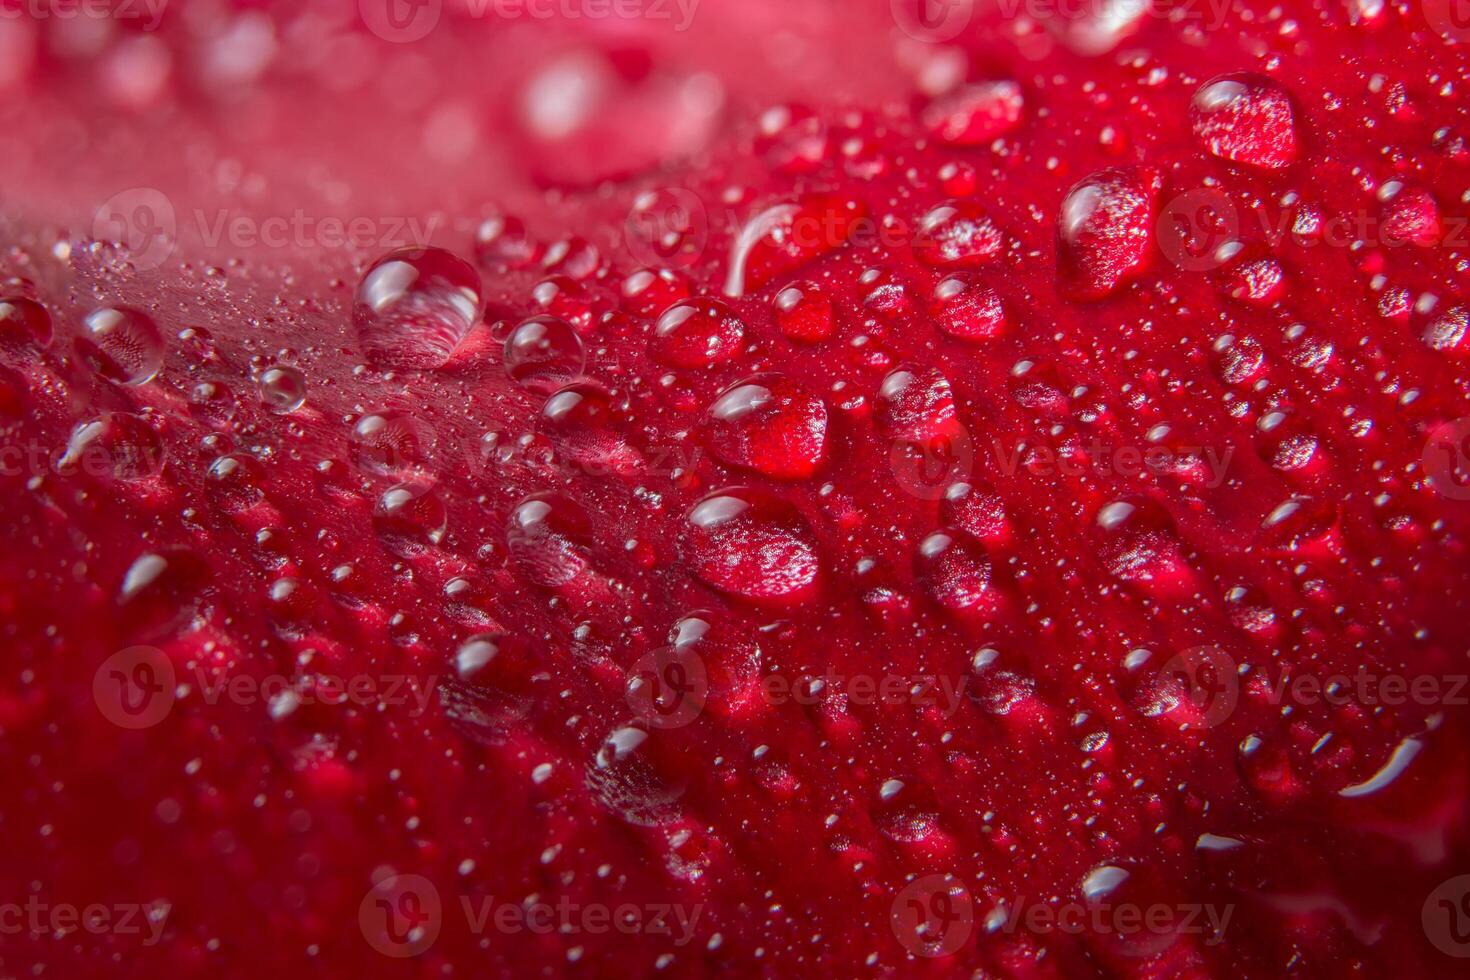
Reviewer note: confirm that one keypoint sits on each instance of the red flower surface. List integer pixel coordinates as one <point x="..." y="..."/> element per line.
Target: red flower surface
<point x="673" y="488"/>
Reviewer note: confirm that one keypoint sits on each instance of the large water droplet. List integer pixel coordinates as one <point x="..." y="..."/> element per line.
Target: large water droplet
<point x="1105" y="230"/>
<point x="696" y="333"/>
<point x="1245" y="118"/>
<point x="753" y="546"/>
<point x="414" y="306"/>
<point x="410" y="519"/>
<point x="121" y="345"/>
<point x="770" y="424"/>
<point x="544" y="353"/>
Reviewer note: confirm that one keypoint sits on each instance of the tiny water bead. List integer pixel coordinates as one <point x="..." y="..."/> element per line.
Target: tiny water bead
<point x="696" y="333"/>
<point x="24" y="323"/>
<point x="544" y="353"/>
<point x="770" y="424"/>
<point x="282" y="389"/>
<point x="414" y="306"/>
<point x="754" y="546"/>
<point x="122" y="345"/>
<point x="1245" y="118"/>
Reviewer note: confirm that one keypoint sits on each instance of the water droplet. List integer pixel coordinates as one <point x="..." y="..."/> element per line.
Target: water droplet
<point x="282" y="389"/>
<point x="753" y="546"/>
<point x="121" y="345"/>
<point x="236" y="482"/>
<point x="976" y="113"/>
<point x="1105" y="231"/>
<point x="696" y="333"/>
<point x="1245" y="118"/>
<point x="414" y="306"/>
<point x="544" y="353"/>
<point x="24" y="323"/>
<point x="410" y="519"/>
<point x="769" y="424"/>
<point x="957" y="574"/>
<point x="116" y="446"/>
<point x="548" y="537"/>
<point x="1137" y="542"/>
<point x="966" y="311"/>
<point x="803" y="311"/>
<point x="916" y="404"/>
<point x="958" y="234"/>
<point x="628" y="781"/>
